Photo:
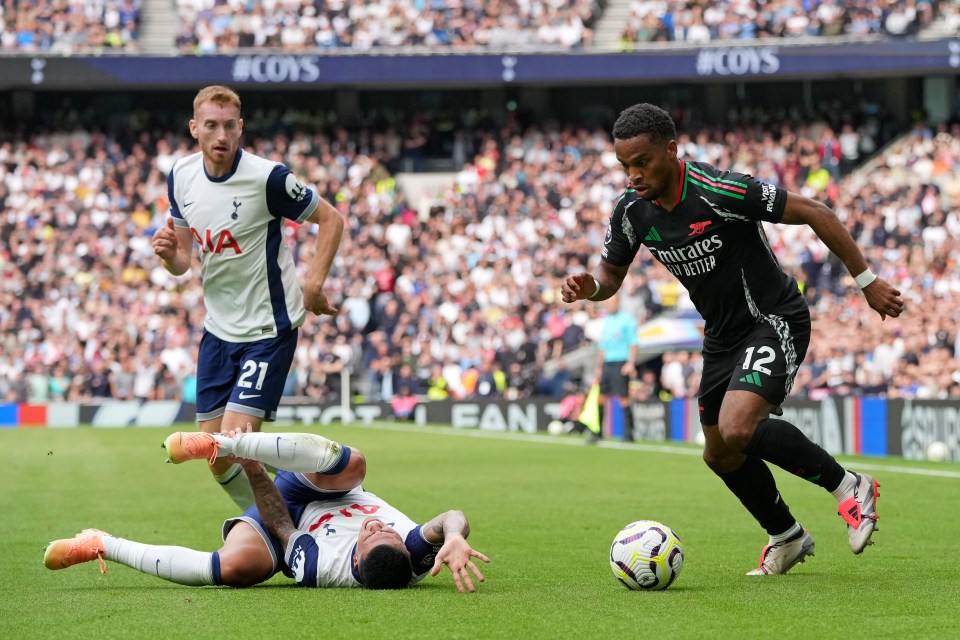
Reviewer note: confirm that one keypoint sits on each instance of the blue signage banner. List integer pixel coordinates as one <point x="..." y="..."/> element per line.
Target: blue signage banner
<point x="780" y="60"/>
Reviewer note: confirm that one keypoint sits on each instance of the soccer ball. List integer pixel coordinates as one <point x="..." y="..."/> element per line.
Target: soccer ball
<point x="556" y="427"/>
<point x="646" y="555"/>
<point x="937" y="451"/>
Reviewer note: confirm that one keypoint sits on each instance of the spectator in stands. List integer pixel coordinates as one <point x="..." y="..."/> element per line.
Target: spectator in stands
<point x="38" y="384"/>
<point x="675" y="373"/>
<point x="59" y="383"/>
<point x="405" y="377"/>
<point x="403" y="404"/>
<point x="122" y="376"/>
<point x="519" y="384"/>
<point x="645" y="387"/>
<point x="491" y="380"/>
<point x="97" y="383"/>
<point x="145" y="372"/>
<point x="167" y="386"/>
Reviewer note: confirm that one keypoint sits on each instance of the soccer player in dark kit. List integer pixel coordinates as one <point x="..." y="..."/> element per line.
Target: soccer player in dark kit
<point x="704" y="225"/>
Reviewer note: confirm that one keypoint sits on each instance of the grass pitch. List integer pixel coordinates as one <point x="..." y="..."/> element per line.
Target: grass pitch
<point x="544" y="509"/>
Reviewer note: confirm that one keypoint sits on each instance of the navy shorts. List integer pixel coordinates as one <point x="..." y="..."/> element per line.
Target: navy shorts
<point x="764" y="362"/>
<point x="246" y="377"/>
<point x="297" y="493"/>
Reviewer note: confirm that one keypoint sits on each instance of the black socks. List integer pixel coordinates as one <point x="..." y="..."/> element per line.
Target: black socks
<point x="784" y="445"/>
<point x="754" y="485"/>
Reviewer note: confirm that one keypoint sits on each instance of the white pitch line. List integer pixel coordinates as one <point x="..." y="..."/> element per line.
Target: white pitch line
<point x="915" y="472"/>
<point x="613" y="444"/>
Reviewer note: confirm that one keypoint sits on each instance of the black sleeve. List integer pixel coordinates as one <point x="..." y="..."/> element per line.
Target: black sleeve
<point x="622" y="242"/>
<point x="761" y="200"/>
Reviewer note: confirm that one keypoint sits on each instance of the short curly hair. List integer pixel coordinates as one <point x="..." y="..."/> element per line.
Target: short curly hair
<point x="644" y="119"/>
<point x="385" y="567"/>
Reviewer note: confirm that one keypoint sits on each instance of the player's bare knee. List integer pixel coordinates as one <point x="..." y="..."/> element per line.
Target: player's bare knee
<point x="356" y="469"/>
<point x="236" y="572"/>
<point x="737" y="434"/>
<point x="711" y="458"/>
<point x="738" y="422"/>
<point x="719" y="457"/>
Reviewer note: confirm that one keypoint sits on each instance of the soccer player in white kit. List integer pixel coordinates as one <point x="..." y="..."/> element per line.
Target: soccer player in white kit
<point x="315" y="523"/>
<point x="233" y="205"/>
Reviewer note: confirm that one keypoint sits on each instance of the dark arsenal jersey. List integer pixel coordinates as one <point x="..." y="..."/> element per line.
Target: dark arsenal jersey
<point x="714" y="243"/>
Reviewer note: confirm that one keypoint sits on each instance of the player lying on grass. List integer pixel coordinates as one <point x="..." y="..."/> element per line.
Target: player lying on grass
<point x="315" y="523"/>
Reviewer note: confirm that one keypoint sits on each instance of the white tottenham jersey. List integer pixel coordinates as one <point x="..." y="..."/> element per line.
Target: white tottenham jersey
<point x="250" y="287"/>
<point x="322" y="554"/>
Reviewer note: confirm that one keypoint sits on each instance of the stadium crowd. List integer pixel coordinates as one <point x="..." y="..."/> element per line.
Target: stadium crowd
<point x="457" y="295"/>
<point x="226" y="26"/>
<point x="65" y="27"/>
<point x="730" y="20"/>
<point x="209" y="26"/>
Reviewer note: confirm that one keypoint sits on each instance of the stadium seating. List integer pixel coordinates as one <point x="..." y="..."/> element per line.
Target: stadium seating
<point x="46" y="26"/>
<point x="225" y="26"/>
<point x="208" y="27"/>
<point x="433" y="291"/>
<point x="732" y="20"/>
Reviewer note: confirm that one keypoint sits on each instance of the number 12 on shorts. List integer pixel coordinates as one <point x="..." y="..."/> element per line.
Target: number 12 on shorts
<point x="765" y="354"/>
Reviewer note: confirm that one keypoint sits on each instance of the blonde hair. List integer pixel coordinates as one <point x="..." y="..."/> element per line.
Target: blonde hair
<point x="216" y="93"/>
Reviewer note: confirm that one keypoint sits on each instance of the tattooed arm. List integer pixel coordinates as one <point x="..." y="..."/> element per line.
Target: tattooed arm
<point x="445" y="524"/>
<point x="451" y="529"/>
<point x="270" y="504"/>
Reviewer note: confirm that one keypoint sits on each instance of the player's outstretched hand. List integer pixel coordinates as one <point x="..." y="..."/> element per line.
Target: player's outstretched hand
<point x="315" y="301"/>
<point x="578" y="286"/>
<point x="235" y="433"/>
<point x="884" y="299"/>
<point x="458" y="556"/>
<point x="251" y="467"/>
<point x="238" y="431"/>
<point x="165" y="243"/>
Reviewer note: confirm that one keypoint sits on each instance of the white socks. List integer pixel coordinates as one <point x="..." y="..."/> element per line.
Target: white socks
<point x="303" y="452"/>
<point x="847" y="485"/>
<point x="841" y="493"/>
<point x="786" y="535"/>
<point x="234" y="482"/>
<point x="175" y="564"/>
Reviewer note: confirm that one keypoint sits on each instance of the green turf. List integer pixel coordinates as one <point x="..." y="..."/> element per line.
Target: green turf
<point x="545" y="513"/>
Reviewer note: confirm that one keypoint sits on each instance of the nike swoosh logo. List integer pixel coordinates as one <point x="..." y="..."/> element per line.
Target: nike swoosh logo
<point x="187" y="204"/>
<point x="247" y="396"/>
<point x="158" y="567"/>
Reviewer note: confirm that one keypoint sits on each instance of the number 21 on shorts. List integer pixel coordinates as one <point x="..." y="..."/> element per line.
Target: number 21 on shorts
<point x="248" y="371"/>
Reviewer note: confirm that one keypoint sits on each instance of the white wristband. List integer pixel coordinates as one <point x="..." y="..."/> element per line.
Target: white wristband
<point x="596" y="291"/>
<point x="865" y="278"/>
